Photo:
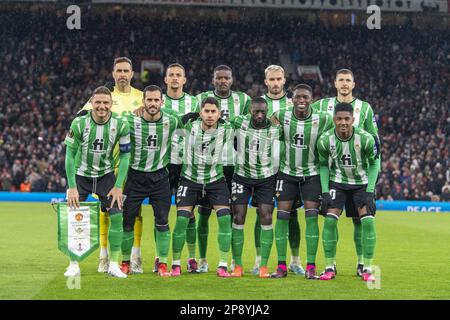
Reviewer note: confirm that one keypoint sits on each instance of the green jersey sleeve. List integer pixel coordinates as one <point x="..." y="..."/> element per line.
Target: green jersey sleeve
<point x="73" y="137"/>
<point x="323" y="150"/>
<point x="370" y="123"/>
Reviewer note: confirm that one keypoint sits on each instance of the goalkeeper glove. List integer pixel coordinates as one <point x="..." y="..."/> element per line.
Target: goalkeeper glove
<point x="326" y="200"/>
<point x="369" y="202"/>
<point x="190" y="116"/>
<point x="110" y="86"/>
<point x="82" y="113"/>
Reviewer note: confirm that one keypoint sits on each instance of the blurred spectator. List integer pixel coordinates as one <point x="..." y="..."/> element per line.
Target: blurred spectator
<point x="48" y="73"/>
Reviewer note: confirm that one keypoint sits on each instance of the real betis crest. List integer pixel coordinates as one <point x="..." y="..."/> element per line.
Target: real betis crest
<point x="78" y="231"/>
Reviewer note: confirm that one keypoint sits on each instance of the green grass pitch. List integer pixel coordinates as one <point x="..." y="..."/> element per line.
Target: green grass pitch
<point x="412" y="253"/>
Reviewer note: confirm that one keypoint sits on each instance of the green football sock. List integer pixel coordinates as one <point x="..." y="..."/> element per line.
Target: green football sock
<point x="257" y="234"/>
<point x="312" y="238"/>
<point x="156" y="241"/>
<point x="369" y="239"/>
<point x="163" y="244"/>
<point x="266" y="244"/>
<point x="202" y="231"/>
<point x="357" y="238"/>
<point x="335" y="247"/>
<point x="179" y="236"/>
<point x="127" y="243"/>
<point x="281" y="234"/>
<point x="294" y="234"/>
<point x="224" y="237"/>
<point x="115" y="235"/>
<point x="191" y="235"/>
<point x="329" y="239"/>
<point x="237" y="243"/>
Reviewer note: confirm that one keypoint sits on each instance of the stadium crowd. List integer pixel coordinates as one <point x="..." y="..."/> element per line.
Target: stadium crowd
<point x="49" y="71"/>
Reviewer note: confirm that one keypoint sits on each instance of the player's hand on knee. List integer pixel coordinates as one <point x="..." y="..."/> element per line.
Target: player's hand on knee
<point x="117" y="196"/>
<point x="139" y="111"/>
<point x="324" y="203"/>
<point x="73" y="198"/>
<point x="370" y="203"/>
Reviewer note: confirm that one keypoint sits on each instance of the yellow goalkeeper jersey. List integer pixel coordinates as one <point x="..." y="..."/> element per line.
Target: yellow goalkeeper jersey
<point x="123" y="103"/>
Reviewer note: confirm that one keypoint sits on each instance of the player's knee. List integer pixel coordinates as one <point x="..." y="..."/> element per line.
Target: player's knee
<point x="162" y="227"/>
<point x="184" y="213"/>
<point x="364" y="216"/>
<point x="161" y="219"/>
<point x="238" y="219"/>
<point x="223" y="212"/>
<point x="114" y="211"/>
<point x="356" y="220"/>
<point x="283" y="215"/>
<point x="311" y="212"/>
<point x="128" y="224"/>
<point x="266" y="219"/>
<point x="294" y="214"/>
<point x="204" y="211"/>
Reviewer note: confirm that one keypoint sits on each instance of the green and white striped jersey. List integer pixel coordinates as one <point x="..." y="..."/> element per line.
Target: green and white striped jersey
<point x="348" y="161"/>
<point x="238" y="103"/>
<point x="182" y="106"/>
<point x="275" y="105"/>
<point x="150" y="141"/>
<point x="203" y="151"/>
<point x="362" y="111"/>
<point x="254" y="147"/>
<point x="95" y="143"/>
<point x="301" y="158"/>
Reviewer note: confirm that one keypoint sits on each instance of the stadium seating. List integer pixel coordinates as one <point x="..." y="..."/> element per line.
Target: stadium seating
<point x="49" y="71"/>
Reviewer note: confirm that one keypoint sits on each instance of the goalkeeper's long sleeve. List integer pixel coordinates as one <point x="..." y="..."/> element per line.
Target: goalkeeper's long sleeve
<point x="70" y="166"/>
<point x="124" y="158"/>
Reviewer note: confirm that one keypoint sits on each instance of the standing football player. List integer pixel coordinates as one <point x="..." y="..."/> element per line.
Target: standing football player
<point x="364" y="119"/>
<point x="232" y="104"/>
<point x="299" y="174"/>
<point x="93" y="137"/>
<point x="125" y="99"/>
<point x="202" y="177"/>
<point x="348" y="172"/>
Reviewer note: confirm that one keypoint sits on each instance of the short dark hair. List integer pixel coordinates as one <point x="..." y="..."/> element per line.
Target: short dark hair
<point x="345" y="71"/>
<point x="210" y="100"/>
<point x="223" y="67"/>
<point x="259" y="100"/>
<point x="122" y="59"/>
<point x="102" y="90"/>
<point x="303" y="86"/>
<point x="343" y="106"/>
<point x="152" y="88"/>
<point x="175" y="65"/>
